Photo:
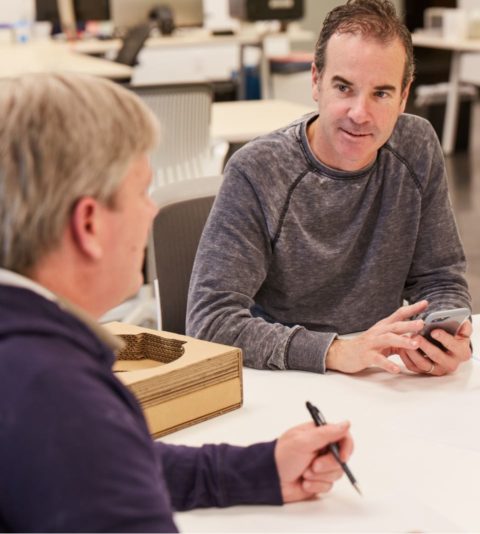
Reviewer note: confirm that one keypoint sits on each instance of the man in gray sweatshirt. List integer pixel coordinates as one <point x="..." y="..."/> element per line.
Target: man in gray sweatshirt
<point x="327" y="226"/>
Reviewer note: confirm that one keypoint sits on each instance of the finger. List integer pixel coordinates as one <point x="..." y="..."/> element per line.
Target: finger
<point x="401" y="327"/>
<point x="320" y="437"/>
<point x="459" y="347"/>
<point x="405" y="312"/>
<point x="345" y="446"/>
<point x="316" y="487"/>
<point x="391" y="340"/>
<point x="379" y="360"/>
<point x="404" y="327"/>
<point x="424" y="363"/>
<point x="448" y="362"/>
<point x="466" y="329"/>
<point x="409" y="363"/>
<point x="330" y="475"/>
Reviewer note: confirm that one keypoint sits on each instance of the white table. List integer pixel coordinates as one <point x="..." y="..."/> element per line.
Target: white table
<point x="457" y="47"/>
<point x="243" y="120"/>
<point x="417" y="450"/>
<point x="17" y="59"/>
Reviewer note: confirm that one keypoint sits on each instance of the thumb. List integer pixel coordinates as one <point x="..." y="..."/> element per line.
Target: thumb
<point x="465" y="329"/>
<point x="326" y="434"/>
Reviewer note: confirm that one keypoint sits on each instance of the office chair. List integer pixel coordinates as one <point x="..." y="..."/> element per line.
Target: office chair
<point x="186" y="149"/>
<point x="132" y="43"/>
<point x="183" y="210"/>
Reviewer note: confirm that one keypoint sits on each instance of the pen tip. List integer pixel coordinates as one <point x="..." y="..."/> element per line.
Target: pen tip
<point x="357" y="487"/>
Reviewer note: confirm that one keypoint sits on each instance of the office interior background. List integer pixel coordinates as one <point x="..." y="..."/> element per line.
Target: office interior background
<point x="433" y="66"/>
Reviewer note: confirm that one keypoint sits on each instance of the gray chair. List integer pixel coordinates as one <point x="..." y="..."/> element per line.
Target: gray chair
<point x="183" y="210"/>
<point x="186" y="149"/>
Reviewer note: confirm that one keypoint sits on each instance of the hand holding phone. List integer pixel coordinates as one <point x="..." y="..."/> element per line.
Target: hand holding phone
<point x="448" y="320"/>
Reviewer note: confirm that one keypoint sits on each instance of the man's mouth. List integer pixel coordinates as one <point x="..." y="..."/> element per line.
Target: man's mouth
<point x="357" y="135"/>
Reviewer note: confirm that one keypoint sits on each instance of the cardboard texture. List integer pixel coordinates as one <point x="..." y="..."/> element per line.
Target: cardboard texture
<point x="178" y="380"/>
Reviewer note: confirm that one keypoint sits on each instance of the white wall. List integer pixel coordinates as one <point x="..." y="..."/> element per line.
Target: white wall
<point x="315" y="11"/>
<point x="12" y="11"/>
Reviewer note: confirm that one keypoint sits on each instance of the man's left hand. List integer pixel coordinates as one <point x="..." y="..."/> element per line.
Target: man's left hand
<point x="435" y="361"/>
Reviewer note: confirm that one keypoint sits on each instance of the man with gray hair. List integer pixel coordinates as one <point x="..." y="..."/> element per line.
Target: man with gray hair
<point x="75" y="452"/>
<point x="325" y="227"/>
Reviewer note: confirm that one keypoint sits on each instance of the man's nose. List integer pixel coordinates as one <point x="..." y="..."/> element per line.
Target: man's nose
<point x="359" y="111"/>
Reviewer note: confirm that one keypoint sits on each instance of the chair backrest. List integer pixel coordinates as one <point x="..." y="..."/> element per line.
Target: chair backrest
<point x="183" y="210"/>
<point x="132" y="44"/>
<point x="184" y="114"/>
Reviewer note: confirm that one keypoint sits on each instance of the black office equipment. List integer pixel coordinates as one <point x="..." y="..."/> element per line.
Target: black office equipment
<point x="162" y="15"/>
<point x="47" y="10"/>
<point x="86" y="10"/>
<point x="128" y="13"/>
<point x="132" y="44"/>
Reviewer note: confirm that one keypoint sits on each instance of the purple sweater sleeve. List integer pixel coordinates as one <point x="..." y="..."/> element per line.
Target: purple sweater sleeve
<point x="220" y="475"/>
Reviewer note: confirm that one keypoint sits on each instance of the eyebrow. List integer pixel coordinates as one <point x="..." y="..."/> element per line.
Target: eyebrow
<point x="386" y="87"/>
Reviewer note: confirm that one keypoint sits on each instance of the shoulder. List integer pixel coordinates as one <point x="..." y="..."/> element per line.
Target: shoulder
<point x="52" y="373"/>
<point x="413" y="135"/>
<point x="271" y="163"/>
<point x="272" y="149"/>
<point x="415" y="149"/>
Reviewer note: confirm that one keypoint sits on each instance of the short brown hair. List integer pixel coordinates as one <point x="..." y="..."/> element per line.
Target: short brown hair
<point x="371" y="18"/>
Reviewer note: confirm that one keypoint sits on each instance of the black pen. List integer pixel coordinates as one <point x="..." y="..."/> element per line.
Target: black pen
<point x="319" y="420"/>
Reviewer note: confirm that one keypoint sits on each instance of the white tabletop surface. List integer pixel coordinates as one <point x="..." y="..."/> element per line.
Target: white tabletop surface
<point x="243" y="120"/>
<point x="417" y="450"/>
<point x="179" y="39"/>
<point x="17" y="59"/>
<point x="424" y="39"/>
<point x="191" y="37"/>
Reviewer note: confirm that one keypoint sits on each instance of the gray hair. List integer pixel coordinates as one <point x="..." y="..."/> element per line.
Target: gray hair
<point x="371" y="18"/>
<point x="62" y="137"/>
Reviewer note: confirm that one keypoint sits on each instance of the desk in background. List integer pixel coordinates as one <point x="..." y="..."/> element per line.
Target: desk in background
<point x="17" y="59"/>
<point x="417" y="450"/>
<point x="241" y="121"/>
<point x="196" y="55"/>
<point x="458" y="48"/>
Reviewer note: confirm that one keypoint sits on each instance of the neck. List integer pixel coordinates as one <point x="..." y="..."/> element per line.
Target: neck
<point x="63" y="276"/>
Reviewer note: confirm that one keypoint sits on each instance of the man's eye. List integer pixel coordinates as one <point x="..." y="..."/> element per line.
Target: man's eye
<point x="342" y="87"/>
<point x="381" y="94"/>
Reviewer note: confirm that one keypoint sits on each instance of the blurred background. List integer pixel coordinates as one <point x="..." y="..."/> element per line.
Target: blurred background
<point x="255" y="56"/>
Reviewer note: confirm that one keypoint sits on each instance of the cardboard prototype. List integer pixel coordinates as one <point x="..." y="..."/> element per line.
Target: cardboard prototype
<point x="188" y="381"/>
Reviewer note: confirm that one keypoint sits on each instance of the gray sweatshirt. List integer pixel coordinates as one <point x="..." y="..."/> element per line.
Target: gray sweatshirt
<point x="295" y="253"/>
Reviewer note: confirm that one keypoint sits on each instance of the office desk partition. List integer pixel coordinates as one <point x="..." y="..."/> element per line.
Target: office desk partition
<point x="416" y="458"/>
<point x="457" y="47"/>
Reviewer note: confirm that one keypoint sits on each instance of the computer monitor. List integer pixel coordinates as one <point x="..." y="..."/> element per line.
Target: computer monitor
<point x="128" y="13"/>
<point x="91" y="10"/>
<point x="47" y="10"/>
<point x="84" y="10"/>
<point x="253" y="10"/>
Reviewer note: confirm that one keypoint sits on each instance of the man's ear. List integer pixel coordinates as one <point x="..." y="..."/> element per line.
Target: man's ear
<point x="315" y="82"/>
<point x="85" y="226"/>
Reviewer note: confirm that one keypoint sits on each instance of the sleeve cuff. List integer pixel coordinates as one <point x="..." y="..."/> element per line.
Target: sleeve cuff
<point x="307" y="350"/>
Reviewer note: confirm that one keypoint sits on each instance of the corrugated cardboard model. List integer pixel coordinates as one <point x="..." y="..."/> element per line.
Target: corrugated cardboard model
<point x="178" y="380"/>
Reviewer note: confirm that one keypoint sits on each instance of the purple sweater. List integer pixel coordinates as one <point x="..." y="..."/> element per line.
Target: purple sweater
<point x="75" y="452"/>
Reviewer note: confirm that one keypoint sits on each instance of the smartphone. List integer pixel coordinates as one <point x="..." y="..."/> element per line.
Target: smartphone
<point x="448" y="320"/>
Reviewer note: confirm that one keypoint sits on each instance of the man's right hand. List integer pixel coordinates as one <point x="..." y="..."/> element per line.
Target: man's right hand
<point x="372" y="347"/>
